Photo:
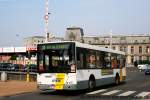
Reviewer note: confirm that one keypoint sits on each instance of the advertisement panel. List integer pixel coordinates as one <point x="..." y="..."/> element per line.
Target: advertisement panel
<point x="8" y="49"/>
<point x="20" y="49"/>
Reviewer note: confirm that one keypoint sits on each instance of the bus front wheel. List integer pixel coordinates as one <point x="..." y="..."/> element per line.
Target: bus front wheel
<point x="92" y="84"/>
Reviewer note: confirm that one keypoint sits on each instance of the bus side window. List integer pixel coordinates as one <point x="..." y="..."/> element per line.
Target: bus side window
<point x="98" y="60"/>
<point x="107" y="60"/>
<point x="102" y="60"/>
<point x="79" y="58"/>
<point x="122" y="63"/>
<point x="91" y="59"/>
<point x="114" y="63"/>
<point x="119" y="62"/>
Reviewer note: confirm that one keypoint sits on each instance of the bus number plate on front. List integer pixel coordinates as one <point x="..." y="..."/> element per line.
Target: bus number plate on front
<point x="56" y="80"/>
<point x="52" y="86"/>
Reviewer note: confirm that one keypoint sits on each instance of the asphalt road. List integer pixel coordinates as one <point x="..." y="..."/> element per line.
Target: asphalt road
<point x="137" y="87"/>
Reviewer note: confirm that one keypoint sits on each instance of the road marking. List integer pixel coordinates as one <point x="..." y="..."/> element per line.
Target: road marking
<point x="143" y="94"/>
<point x="98" y="91"/>
<point x="111" y="92"/>
<point x="127" y="93"/>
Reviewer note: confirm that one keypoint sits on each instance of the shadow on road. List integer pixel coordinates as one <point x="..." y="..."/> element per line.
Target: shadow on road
<point x="77" y="92"/>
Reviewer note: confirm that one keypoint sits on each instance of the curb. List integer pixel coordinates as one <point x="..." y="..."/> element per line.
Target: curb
<point x="17" y="94"/>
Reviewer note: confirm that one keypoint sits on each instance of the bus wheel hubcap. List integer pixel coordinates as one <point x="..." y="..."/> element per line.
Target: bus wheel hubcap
<point x="91" y="84"/>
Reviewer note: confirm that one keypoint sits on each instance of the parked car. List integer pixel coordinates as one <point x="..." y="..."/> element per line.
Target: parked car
<point x="1" y="67"/>
<point x="15" y="67"/>
<point x="10" y="67"/>
<point x="143" y="67"/>
<point x="147" y="72"/>
<point x="6" y="66"/>
<point x="32" y="68"/>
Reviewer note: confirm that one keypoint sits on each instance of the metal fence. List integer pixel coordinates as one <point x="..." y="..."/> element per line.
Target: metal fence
<point x="18" y="66"/>
<point x="17" y="70"/>
<point x="11" y="75"/>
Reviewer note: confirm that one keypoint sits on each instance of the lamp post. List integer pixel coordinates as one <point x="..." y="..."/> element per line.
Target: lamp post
<point x="110" y="39"/>
<point x="46" y="17"/>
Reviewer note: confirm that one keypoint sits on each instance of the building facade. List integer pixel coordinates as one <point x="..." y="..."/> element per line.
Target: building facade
<point x="74" y="34"/>
<point x="136" y="47"/>
<point x="33" y="41"/>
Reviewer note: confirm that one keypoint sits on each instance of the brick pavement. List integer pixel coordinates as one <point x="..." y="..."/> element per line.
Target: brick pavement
<point x="16" y="87"/>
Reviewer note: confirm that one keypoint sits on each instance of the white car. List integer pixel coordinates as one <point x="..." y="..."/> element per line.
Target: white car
<point x="143" y="67"/>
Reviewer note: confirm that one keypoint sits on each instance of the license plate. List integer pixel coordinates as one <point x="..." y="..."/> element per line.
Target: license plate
<point x="52" y="86"/>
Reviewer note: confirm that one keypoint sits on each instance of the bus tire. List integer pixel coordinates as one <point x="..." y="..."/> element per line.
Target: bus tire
<point x="92" y="84"/>
<point x="117" y="79"/>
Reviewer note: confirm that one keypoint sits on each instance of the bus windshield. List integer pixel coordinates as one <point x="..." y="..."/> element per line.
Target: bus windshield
<point x="55" y="58"/>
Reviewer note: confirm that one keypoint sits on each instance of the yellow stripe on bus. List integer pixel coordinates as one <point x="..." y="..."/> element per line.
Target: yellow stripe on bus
<point x="60" y="81"/>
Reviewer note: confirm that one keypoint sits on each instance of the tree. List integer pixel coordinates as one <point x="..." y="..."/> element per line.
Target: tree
<point x="13" y="57"/>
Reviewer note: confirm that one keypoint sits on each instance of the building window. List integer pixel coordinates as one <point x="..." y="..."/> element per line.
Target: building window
<point x="140" y="49"/>
<point x="102" y="41"/>
<point x="147" y="58"/>
<point x="114" y="48"/>
<point x="125" y="49"/>
<point x="132" y="59"/>
<point x="147" y="49"/>
<point x="90" y="42"/>
<point x="96" y="39"/>
<point x="136" y="41"/>
<point x="132" y="50"/>
<point x="140" y="58"/>
<point x="123" y="38"/>
<point x="121" y="49"/>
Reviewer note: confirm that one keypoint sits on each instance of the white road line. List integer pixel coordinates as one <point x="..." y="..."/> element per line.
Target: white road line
<point x="127" y="93"/>
<point x="143" y="94"/>
<point x="98" y="91"/>
<point x="111" y="92"/>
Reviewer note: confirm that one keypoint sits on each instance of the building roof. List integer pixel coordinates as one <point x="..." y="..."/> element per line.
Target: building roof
<point x="117" y="35"/>
<point x="34" y="37"/>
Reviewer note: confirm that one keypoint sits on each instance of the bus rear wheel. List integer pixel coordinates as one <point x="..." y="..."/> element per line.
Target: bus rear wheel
<point x="92" y="84"/>
<point x="117" y="80"/>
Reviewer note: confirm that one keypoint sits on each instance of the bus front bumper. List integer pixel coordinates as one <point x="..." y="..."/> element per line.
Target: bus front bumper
<point x="57" y="87"/>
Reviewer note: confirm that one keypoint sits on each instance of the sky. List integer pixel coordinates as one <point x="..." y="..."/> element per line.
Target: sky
<point x="24" y="18"/>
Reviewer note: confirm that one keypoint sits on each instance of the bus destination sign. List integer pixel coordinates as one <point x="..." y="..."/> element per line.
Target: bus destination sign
<point x="54" y="46"/>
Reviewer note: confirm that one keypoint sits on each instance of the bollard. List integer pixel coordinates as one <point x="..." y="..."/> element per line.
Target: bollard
<point x="28" y="77"/>
<point x="3" y="76"/>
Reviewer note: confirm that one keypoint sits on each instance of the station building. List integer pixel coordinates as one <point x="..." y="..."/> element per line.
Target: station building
<point x="136" y="47"/>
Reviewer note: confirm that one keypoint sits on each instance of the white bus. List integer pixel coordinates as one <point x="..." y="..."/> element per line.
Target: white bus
<point x="73" y="65"/>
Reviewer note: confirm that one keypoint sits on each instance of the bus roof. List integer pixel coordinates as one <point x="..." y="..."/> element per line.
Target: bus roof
<point x="94" y="47"/>
<point x="89" y="46"/>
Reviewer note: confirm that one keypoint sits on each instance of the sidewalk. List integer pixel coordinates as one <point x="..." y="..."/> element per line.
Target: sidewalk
<point x="16" y="87"/>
